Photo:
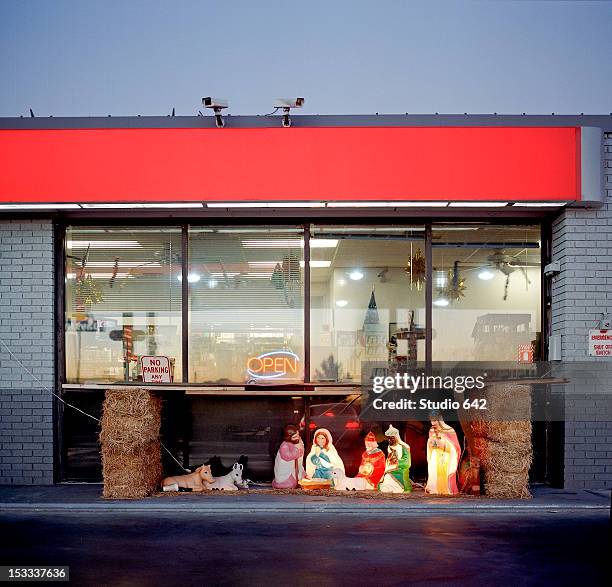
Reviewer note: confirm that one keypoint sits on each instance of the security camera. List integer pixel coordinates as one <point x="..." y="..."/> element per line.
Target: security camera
<point x="217" y="104"/>
<point x="214" y="103"/>
<point x="552" y="269"/>
<point x="289" y="103"/>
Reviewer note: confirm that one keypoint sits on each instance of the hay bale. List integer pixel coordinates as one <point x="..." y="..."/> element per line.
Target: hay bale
<point x="131" y="418"/>
<point x="131" y="475"/>
<point x="502" y="442"/>
<point x="131" y="449"/>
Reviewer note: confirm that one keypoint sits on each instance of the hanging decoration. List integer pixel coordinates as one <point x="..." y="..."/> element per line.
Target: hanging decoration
<point x="416" y="269"/>
<point x="455" y="289"/>
<point x="88" y="292"/>
<point x="371" y="316"/>
<point x="286" y="278"/>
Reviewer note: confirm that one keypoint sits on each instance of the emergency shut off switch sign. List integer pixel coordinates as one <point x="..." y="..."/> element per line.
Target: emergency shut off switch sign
<point x="156" y="370"/>
<point x="600" y="343"/>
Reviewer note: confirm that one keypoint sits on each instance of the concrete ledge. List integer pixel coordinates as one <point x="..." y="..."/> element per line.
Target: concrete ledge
<point x="86" y="498"/>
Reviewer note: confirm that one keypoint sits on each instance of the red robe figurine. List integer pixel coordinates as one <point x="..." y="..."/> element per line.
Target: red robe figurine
<point x="372" y="466"/>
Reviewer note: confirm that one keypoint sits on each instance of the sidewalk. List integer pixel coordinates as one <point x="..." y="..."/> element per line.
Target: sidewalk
<point x="87" y="497"/>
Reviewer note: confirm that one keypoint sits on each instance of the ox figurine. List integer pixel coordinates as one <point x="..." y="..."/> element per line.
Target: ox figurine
<point x="230" y="482"/>
<point x="199" y="480"/>
<point x="344" y="483"/>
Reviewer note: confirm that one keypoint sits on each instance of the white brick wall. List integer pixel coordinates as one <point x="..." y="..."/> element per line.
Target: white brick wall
<point x="26" y="327"/>
<point x="581" y="293"/>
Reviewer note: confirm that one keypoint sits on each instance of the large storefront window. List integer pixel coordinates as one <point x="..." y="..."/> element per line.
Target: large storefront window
<point x="367" y="296"/>
<point x="246" y="305"/>
<point x="486" y="292"/>
<point x="123" y="301"/>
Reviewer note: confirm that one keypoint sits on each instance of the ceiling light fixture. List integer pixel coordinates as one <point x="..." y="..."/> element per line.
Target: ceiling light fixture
<point x="356" y="275"/>
<point x="441" y="302"/>
<point x="486" y="274"/>
<point x="341" y="303"/>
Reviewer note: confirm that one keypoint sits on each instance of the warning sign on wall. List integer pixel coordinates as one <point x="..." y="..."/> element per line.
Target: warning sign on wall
<point x="156" y="369"/>
<point x="600" y="343"/>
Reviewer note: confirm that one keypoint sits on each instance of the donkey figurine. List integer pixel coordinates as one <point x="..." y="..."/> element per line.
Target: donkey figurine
<point x="231" y="481"/>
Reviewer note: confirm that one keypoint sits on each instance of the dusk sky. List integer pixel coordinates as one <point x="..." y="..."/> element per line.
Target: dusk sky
<point x="90" y="58"/>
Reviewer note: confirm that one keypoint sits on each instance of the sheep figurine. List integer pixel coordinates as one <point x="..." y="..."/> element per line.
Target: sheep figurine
<point x="344" y="483"/>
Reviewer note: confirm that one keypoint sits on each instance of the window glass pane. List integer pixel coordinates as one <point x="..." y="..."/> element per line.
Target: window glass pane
<point x="246" y="302"/>
<point x="367" y="298"/>
<point x="486" y="294"/>
<point x="123" y="301"/>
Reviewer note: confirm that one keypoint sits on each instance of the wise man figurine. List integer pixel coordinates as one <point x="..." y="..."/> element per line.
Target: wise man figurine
<point x="443" y="452"/>
<point x="372" y="466"/>
<point x="397" y="468"/>
<point x="288" y="468"/>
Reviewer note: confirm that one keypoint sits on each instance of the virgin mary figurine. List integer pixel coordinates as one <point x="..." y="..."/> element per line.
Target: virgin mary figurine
<point x="323" y="457"/>
<point x="443" y="452"/>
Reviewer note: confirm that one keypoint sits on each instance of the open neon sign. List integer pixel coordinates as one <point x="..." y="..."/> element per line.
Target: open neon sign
<point x="273" y="365"/>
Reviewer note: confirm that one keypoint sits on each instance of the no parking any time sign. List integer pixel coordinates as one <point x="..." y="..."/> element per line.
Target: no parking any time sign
<point x="155" y="369"/>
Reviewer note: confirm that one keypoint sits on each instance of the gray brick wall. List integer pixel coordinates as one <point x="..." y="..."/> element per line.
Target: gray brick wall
<point x="581" y="293"/>
<point x="26" y="375"/>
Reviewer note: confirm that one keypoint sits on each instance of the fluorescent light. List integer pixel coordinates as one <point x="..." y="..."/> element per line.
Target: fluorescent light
<point x="271" y="244"/>
<point x="478" y="204"/>
<point x="87" y="274"/>
<point x="322" y="243"/>
<point x="486" y="274"/>
<point x="540" y="204"/>
<point x="319" y="264"/>
<point x="103" y="245"/>
<point x="142" y="205"/>
<point x="356" y="275"/>
<point x="263" y="264"/>
<point x="39" y="206"/>
<point x="358" y="204"/>
<point x="122" y="264"/>
<point x="419" y="204"/>
<point x="341" y="303"/>
<point x="265" y="204"/>
<point x="442" y="303"/>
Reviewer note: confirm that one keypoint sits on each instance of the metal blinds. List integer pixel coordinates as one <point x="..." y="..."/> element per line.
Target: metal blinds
<point x="123" y="300"/>
<point x="246" y="299"/>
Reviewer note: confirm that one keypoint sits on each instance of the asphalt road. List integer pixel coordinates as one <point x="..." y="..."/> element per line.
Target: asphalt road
<point x="180" y="549"/>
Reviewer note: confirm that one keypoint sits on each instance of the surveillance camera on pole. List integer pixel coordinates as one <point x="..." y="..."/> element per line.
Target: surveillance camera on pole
<point x="217" y="104"/>
<point x="287" y="104"/>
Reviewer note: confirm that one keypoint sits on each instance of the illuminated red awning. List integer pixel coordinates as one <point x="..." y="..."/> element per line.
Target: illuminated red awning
<point x="287" y="164"/>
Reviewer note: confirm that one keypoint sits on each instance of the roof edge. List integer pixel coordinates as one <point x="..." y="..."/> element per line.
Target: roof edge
<point x="311" y="120"/>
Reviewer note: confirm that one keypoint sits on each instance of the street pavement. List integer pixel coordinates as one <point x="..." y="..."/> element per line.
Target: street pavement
<point x="402" y="546"/>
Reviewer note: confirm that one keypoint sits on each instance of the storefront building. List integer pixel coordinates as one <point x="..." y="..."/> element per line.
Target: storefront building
<point x="249" y="271"/>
